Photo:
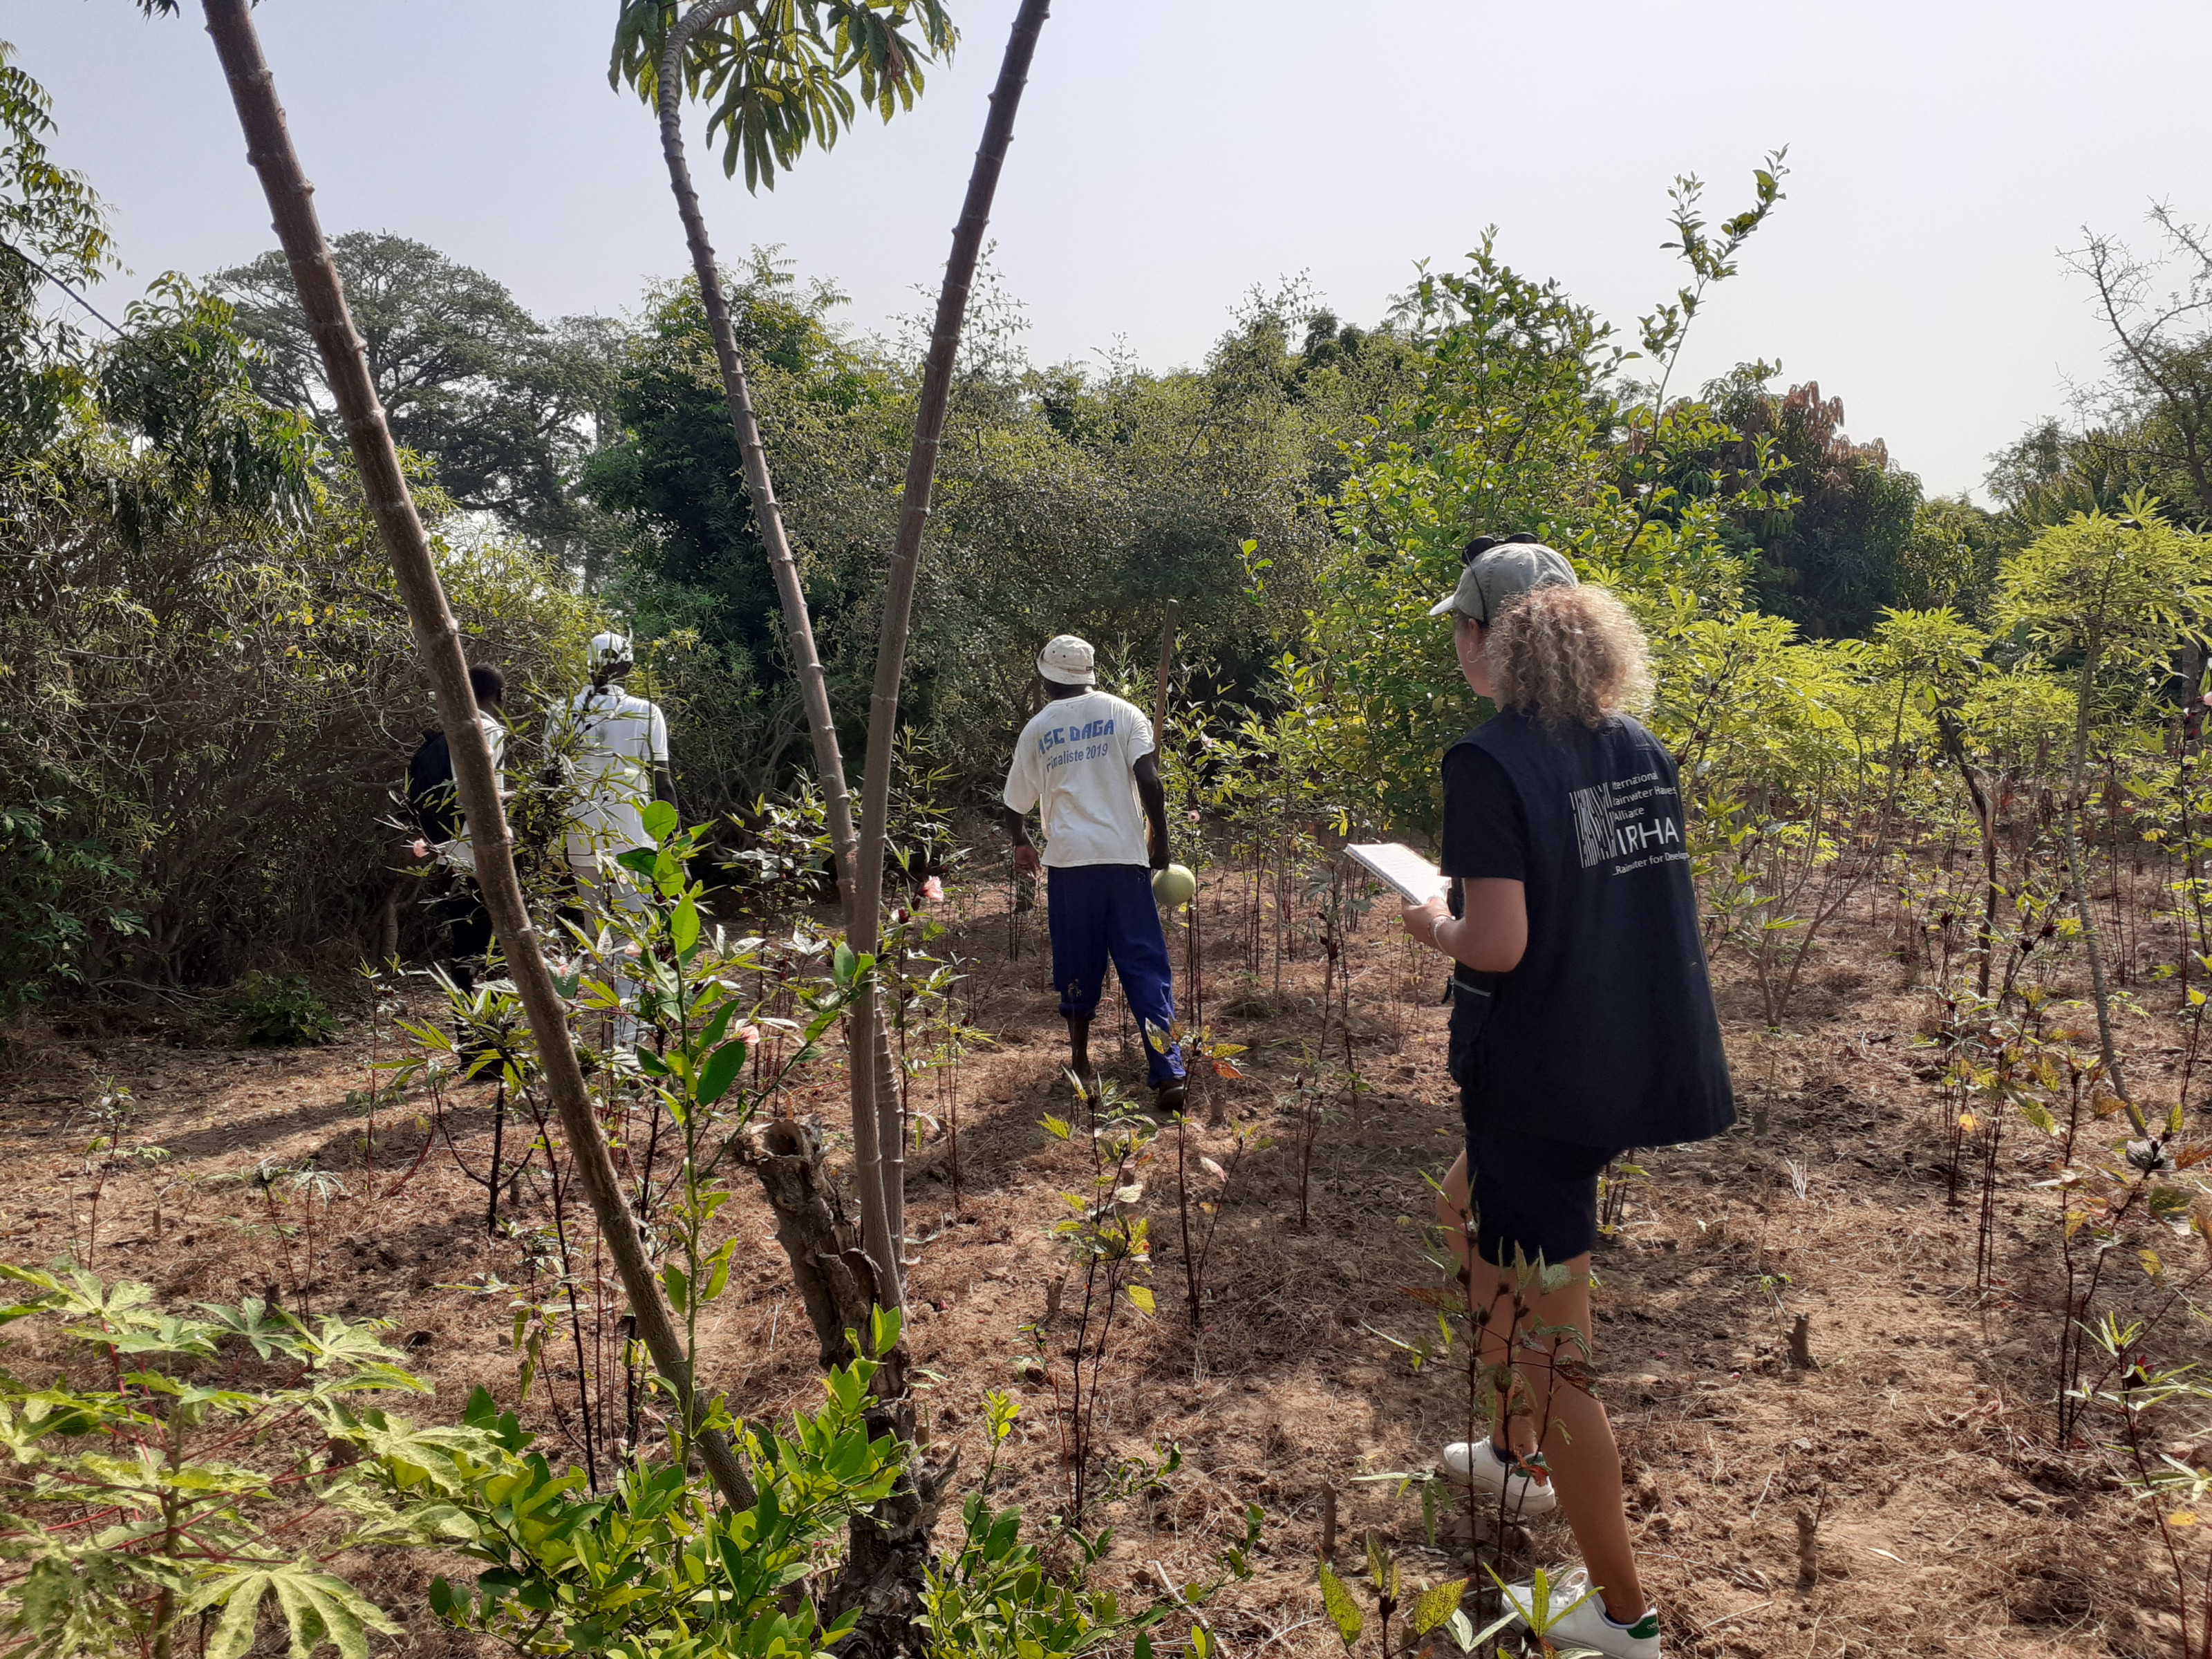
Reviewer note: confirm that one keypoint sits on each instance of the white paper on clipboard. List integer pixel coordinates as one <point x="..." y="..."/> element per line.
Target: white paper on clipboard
<point x="1400" y="868"/>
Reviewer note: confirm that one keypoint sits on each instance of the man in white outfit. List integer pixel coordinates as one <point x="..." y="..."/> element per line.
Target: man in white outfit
<point x="620" y="762"/>
<point x="1085" y="764"/>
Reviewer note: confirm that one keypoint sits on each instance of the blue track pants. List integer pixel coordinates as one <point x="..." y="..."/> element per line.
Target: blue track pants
<point x="1098" y="910"/>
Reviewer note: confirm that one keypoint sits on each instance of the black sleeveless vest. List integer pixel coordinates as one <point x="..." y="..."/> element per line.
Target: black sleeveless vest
<point x="1605" y="1033"/>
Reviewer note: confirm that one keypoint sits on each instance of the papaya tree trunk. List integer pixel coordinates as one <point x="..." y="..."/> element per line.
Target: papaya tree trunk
<point x="438" y="643"/>
<point x="906" y="556"/>
<point x="878" y="1236"/>
<point x="887" y="1565"/>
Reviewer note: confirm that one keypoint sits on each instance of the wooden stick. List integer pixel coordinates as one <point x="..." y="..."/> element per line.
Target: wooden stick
<point x="1167" y="662"/>
<point x="438" y="643"/>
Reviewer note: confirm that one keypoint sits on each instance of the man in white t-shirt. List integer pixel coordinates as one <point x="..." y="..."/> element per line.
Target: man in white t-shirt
<point x="620" y="761"/>
<point x="1086" y="764"/>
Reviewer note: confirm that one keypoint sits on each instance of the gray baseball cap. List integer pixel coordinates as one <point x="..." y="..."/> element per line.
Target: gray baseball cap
<point x="1499" y="572"/>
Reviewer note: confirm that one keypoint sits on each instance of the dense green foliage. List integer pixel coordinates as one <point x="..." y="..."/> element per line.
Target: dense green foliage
<point x="281" y="1010"/>
<point x="1064" y="502"/>
<point x="212" y="693"/>
<point x="653" y="1565"/>
<point x="212" y="690"/>
<point x="210" y="681"/>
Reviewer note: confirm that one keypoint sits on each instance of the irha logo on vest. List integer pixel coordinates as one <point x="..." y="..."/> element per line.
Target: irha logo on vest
<point x="1615" y="820"/>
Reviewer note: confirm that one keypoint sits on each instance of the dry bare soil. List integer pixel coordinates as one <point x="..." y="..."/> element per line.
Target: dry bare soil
<point x="1947" y="1521"/>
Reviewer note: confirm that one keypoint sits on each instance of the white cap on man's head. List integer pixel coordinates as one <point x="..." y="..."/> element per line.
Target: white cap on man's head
<point x="1066" y="660"/>
<point x="606" y="648"/>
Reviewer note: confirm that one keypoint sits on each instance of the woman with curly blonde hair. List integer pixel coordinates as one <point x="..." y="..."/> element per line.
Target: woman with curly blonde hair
<point x="1582" y="1024"/>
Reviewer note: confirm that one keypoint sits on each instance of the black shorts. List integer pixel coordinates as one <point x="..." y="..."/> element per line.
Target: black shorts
<point x="1536" y="1195"/>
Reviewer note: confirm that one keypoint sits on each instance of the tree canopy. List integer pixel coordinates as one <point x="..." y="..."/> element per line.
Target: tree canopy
<point x="504" y="407"/>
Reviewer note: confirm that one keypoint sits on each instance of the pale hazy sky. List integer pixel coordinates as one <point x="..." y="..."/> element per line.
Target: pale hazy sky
<point x="1172" y="154"/>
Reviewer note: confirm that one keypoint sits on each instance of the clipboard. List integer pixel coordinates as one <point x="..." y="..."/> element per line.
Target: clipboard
<point x="1400" y="868"/>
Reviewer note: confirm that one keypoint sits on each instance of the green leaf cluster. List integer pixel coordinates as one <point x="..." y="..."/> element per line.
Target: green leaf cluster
<point x="995" y="1597"/>
<point x="181" y="1490"/>
<point x="779" y="74"/>
<point x="654" y="1565"/>
<point x="282" y="1010"/>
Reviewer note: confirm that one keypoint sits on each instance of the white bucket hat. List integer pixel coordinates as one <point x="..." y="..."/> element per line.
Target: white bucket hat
<point x="1066" y="660"/>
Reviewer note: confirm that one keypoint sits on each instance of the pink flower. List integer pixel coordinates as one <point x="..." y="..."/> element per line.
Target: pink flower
<point x="632" y="950"/>
<point x="932" y="891"/>
<point x="748" y="1035"/>
<point x="422" y="848"/>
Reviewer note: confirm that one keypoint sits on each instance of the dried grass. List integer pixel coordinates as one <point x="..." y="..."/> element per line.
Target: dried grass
<point x="1919" y="1431"/>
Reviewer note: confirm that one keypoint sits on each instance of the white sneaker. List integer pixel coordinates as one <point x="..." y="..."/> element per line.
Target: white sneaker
<point x="1476" y="1463"/>
<point x="1586" y="1624"/>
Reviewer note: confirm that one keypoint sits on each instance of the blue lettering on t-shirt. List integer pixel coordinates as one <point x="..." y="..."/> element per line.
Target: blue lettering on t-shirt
<point x="1060" y="735"/>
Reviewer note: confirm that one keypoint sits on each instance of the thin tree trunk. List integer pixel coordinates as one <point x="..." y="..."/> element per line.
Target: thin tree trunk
<point x="2076" y="873"/>
<point x="438" y="642"/>
<point x="1167" y="665"/>
<point x="1955" y="744"/>
<point x="879" y="1238"/>
<point x="1991" y="887"/>
<point x="898" y="589"/>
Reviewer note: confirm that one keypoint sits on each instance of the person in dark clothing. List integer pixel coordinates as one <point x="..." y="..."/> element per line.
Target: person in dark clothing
<point x="430" y="788"/>
<point x="1582" y="1024"/>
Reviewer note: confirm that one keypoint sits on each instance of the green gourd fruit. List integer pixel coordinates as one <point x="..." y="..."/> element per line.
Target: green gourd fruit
<point x="1174" y="887"/>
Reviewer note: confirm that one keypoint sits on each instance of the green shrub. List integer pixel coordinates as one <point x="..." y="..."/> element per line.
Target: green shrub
<point x="282" y="1011"/>
<point x="654" y="1566"/>
<point x="170" y="1493"/>
<point x="994" y="1597"/>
